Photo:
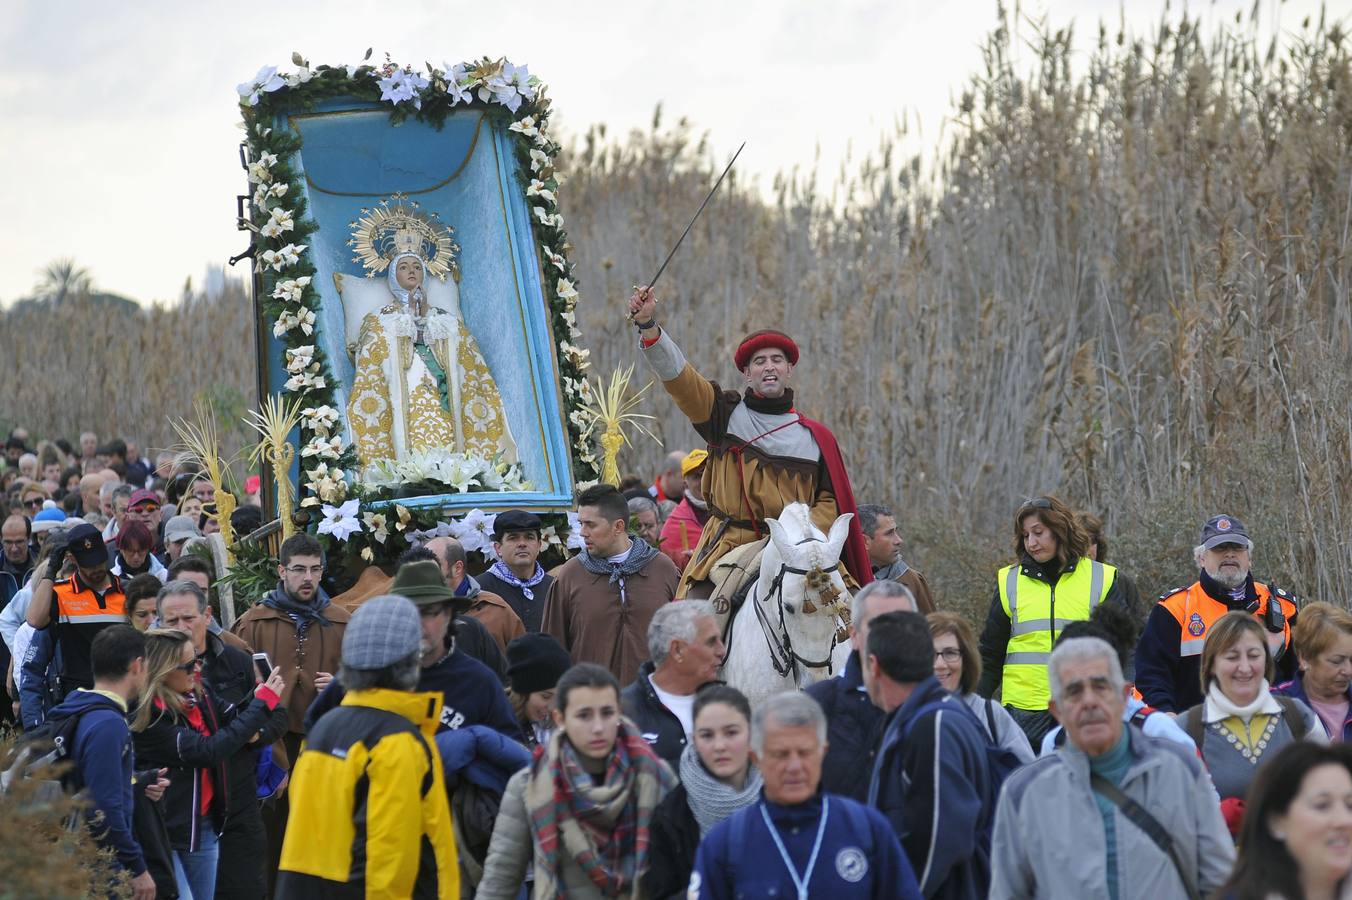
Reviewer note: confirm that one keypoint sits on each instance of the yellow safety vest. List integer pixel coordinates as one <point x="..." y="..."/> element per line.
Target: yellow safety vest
<point x="1037" y="612"/>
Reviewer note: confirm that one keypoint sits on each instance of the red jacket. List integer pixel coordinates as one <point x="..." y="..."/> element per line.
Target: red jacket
<point x="681" y="531"/>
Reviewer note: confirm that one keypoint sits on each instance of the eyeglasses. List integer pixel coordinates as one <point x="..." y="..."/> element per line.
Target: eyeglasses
<point x="305" y="570"/>
<point x="948" y="654"/>
<point x="147" y="508"/>
<point x="190" y="667"/>
<point x="1036" y="503"/>
<point x="33" y="504"/>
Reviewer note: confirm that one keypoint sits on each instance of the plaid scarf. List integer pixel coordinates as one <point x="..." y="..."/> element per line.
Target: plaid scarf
<point x="601" y="826"/>
<point x="523" y="585"/>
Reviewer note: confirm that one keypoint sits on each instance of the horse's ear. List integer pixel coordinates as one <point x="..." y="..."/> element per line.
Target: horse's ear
<point x="779" y="537"/>
<point x="840" y="530"/>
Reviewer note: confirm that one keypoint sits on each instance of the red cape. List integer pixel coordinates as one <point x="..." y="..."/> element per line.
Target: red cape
<point x="854" y="555"/>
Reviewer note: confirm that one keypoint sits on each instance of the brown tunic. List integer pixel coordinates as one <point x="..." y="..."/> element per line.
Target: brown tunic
<point x="761" y="459"/>
<point x="273" y="632"/>
<point x="583" y="613"/>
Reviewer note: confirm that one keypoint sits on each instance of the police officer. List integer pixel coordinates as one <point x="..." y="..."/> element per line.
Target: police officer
<point x="1168" y="657"/>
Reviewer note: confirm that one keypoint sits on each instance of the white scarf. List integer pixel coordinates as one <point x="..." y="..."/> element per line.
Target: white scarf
<point x="1218" y="706"/>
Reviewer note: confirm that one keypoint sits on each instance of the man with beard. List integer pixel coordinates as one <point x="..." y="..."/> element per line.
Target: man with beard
<point x="301" y="631"/>
<point x="1168" y="657"/>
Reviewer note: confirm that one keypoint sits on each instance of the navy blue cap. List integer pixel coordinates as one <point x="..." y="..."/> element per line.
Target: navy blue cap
<point x="1224" y="530"/>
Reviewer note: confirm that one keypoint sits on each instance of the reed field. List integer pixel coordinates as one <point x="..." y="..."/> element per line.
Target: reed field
<point x="1123" y="278"/>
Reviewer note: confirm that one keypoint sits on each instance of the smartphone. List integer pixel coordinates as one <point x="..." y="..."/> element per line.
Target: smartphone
<point x="262" y="665"/>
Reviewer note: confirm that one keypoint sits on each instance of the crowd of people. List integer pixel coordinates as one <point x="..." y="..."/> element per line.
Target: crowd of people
<point x="436" y="732"/>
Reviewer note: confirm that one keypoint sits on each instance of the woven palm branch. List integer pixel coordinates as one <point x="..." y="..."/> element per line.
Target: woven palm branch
<point x="611" y="411"/>
<point x="275" y="421"/>
<point x="200" y="443"/>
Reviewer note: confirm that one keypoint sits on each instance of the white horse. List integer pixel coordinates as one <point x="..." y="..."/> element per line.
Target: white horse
<point x="784" y="635"/>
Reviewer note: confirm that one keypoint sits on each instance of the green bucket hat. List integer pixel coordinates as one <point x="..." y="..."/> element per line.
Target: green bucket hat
<point x="421" y="583"/>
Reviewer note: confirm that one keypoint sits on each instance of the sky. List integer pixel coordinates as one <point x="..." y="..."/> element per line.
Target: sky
<point x="120" y="144"/>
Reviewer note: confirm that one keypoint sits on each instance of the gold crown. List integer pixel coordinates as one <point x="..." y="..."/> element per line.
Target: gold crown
<point x="397" y="226"/>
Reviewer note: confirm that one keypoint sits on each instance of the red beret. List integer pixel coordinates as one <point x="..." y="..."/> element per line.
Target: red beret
<point x="759" y="340"/>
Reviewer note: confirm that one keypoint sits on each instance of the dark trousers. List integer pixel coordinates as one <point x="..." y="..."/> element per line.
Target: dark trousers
<point x="276" y="810"/>
<point x="242" y="870"/>
<point x="1034" y="722"/>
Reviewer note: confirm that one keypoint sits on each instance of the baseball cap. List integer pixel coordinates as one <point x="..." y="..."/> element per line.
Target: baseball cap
<point x="693" y="460"/>
<point x="180" y="528"/>
<point x="142" y="496"/>
<point x="1224" y="530"/>
<point x="85" y="543"/>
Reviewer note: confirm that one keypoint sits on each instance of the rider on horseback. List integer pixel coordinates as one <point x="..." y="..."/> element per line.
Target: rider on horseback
<point x="763" y="453"/>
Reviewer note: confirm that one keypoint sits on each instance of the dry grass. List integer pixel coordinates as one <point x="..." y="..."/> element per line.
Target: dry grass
<point x="1129" y="286"/>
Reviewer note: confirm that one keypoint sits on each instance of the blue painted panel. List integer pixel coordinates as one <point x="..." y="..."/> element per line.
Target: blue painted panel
<point x="352" y="157"/>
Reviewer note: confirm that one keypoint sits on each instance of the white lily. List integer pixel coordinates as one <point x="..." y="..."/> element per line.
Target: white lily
<point x="567" y="292"/>
<point x="524" y="125"/>
<point x="549" y="220"/>
<point x="266" y="81"/>
<point x="539" y="161"/>
<point x="537" y="189"/>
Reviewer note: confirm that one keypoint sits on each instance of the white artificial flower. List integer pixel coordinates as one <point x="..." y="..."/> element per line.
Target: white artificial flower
<point x="567" y="292"/>
<point x="376" y="526"/>
<point x="570" y="319"/>
<point x="557" y="260"/>
<point x="291" y="289"/>
<point x="260" y="198"/>
<point x="546" y="218"/>
<point x="402" y="85"/>
<point x="298" y="359"/>
<point x="278" y="189"/>
<point x="324" y="448"/>
<point x="258" y="173"/>
<point x="524" y="125"/>
<point x="550" y="536"/>
<point x="266" y="81"/>
<point x="476" y="530"/>
<point x="319" y="419"/>
<point x="281" y="258"/>
<point x="340" y="521"/>
<point x="537" y="189"/>
<point x="303" y="380"/>
<point x="457" y="83"/>
<point x="575" y="353"/>
<point x="574" y="532"/>
<point x="279" y="220"/>
<point x="539" y="161"/>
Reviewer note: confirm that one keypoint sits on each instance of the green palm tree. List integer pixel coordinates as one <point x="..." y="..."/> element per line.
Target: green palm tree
<point x="63" y="278"/>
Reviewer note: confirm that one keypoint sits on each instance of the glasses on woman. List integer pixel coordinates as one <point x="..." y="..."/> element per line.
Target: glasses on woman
<point x="948" y="654"/>
<point x="190" y="667"/>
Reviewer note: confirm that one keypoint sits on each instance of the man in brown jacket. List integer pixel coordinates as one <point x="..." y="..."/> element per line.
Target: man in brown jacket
<point x="493" y="612"/>
<point x="602" y="600"/>
<point x="883" y="544"/>
<point x="301" y="631"/>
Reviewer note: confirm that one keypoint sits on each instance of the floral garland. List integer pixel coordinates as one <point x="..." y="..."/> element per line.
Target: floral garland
<point x="290" y="298"/>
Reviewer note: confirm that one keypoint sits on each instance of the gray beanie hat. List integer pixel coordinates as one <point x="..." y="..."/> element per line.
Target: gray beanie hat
<point x="383" y="631"/>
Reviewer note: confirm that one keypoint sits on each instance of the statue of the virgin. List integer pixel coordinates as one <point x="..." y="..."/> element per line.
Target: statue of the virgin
<point x="421" y="382"/>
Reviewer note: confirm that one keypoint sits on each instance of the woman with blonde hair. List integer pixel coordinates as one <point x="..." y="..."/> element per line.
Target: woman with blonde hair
<point x="1052" y="582"/>
<point x="957" y="666"/>
<point x="1322" y="640"/>
<point x="1240" y="724"/>
<point x="180" y="726"/>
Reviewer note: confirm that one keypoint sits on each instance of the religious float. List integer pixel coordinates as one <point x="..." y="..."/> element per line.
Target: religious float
<point x="419" y="356"/>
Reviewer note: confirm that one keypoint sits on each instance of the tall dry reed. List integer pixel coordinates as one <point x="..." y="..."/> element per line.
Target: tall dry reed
<point x="1126" y="282"/>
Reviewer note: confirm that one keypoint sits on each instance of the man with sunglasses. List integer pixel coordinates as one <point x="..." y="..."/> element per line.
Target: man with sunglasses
<point x="301" y="631"/>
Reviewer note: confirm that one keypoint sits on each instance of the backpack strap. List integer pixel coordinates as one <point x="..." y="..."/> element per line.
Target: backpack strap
<point x="1193" y="725"/>
<point x="1295" y="719"/>
<point x="990" y="718"/>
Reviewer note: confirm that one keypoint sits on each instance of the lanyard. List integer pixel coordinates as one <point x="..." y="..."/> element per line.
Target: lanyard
<point x="800" y="883"/>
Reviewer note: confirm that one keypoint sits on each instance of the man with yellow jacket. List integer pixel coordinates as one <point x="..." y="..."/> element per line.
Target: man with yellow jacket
<point x="369" y="815"/>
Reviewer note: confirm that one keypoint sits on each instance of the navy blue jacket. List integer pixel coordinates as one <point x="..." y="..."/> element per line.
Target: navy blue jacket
<point x="859" y="856"/>
<point x="1296" y="690"/>
<point x="104" y="768"/>
<point x="470" y="694"/>
<point x="38" y="684"/>
<point x="853" y="727"/>
<point x="935" y="787"/>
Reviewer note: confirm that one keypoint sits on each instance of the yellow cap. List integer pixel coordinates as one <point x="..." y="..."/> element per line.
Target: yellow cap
<point x="693" y="460"/>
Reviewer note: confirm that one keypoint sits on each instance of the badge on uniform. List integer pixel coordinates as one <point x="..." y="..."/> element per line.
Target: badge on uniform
<point x="1195" y="625"/>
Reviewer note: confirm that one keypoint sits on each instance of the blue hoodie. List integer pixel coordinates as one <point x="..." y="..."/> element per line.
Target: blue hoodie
<point x="104" y="767"/>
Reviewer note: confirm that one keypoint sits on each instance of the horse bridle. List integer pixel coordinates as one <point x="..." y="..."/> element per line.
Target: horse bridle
<point x="782" y="655"/>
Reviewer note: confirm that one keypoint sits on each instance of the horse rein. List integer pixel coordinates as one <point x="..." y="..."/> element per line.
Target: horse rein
<point x="782" y="655"/>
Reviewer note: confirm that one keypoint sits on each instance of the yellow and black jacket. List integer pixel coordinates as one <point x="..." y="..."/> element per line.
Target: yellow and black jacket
<point x="369" y="816"/>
